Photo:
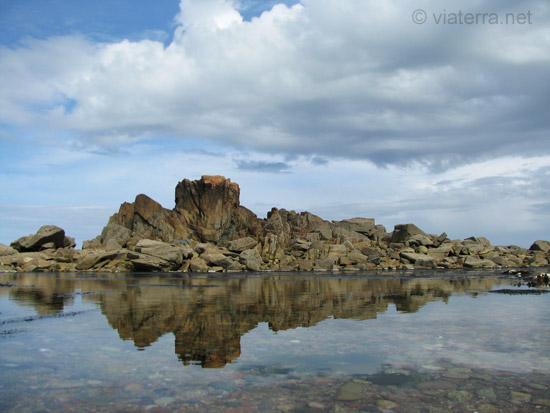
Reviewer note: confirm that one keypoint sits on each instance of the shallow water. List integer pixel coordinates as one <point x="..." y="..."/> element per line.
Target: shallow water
<point x="272" y="342"/>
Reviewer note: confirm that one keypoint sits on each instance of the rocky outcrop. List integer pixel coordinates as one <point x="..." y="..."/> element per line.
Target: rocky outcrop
<point x="251" y="259"/>
<point x="474" y="262"/>
<point x="241" y="244"/>
<point x="47" y="237"/>
<point x="142" y="219"/>
<point x="5" y="250"/>
<point x="206" y="210"/>
<point x="363" y="226"/>
<point x="210" y="207"/>
<point x="421" y="260"/>
<point x="404" y="232"/>
<point x="540" y="245"/>
<point x="208" y="230"/>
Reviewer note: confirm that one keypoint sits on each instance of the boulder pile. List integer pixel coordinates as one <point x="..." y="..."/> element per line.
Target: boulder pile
<point x="208" y="230"/>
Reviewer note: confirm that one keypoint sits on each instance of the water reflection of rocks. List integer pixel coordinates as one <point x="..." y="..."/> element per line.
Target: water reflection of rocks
<point x="208" y="315"/>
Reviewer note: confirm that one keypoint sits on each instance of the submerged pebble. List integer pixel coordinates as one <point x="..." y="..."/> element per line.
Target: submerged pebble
<point x="386" y="404"/>
<point x="350" y="391"/>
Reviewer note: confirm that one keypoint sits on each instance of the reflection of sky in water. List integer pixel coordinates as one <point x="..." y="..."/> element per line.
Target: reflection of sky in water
<point x="509" y="333"/>
<point x="92" y="339"/>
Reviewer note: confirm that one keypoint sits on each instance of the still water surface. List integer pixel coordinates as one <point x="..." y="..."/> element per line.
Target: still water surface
<point x="278" y="342"/>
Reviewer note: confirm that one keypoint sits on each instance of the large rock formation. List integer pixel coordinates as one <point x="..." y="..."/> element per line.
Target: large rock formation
<point x="210" y="207"/>
<point x="208" y="230"/>
<point x="206" y="210"/>
<point x="142" y="219"/>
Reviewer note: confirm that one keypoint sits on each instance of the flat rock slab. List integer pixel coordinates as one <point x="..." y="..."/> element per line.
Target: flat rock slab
<point x="473" y="262"/>
<point x="419" y="259"/>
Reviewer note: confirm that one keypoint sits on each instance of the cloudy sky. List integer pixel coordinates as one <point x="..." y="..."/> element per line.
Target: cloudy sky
<point x="429" y="112"/>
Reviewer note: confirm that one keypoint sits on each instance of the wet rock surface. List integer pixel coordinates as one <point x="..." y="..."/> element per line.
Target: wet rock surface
<point x="208" y="215"/>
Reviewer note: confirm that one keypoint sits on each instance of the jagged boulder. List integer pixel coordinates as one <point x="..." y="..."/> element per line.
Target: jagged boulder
<point x="357" y="257"/>
<point x="206" y="210"/>
<point x="478" y="240"/>
<point x="373" y="254"/>
<point x="220" y="260"/>
<point x="210" y="202"/>
<point x="420" y="239"/>
<point x="475" y="262"/>
<point x="150" y="220"/>
<point x="420" y="260"/>
<point x="538" y="259"/>
<point x="324" y="264"/>
<point x="197" y="264"/>
<point x="210" y="207"/>
<point x="336" y="251"/>
<point x="440" y="239"/>
<point x="343" y="233"/>
<point x="251" y="259"/>
<point x="501" y="261"/>
<point x="116" y="232"/>
<point x="441" y="252"/>
<point x="48" y="236"/>
<point x="358" y="229"/>
<point x="69" y="242"/>
<point x="361" y="225"/>
<point x="325" y="233"/>
<point x="97" y="259"/>
<point x="162" y="250"/>
<point x="540" y="245"/>
<point x="288" y="225"/>
<point x="142" y="219"/>
<point x="298" y="244"/>
<point x="5" y="250"/>
<point x="30" y="262"/>
<point x="241" y="244"/>
<point x="112" y="245"/>
<point x="404" y="232"/>
<point x="153" y="263"/>
<point x="476" y="246"/>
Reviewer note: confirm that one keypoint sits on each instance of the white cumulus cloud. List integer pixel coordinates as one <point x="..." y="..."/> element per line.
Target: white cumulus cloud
<point x="348" y="78"/>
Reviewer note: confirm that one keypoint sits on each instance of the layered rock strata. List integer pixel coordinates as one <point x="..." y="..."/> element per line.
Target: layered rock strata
<point x="208" y="230"/>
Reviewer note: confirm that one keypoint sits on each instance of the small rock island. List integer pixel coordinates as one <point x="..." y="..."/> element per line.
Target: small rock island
<point x="209" y="231"/>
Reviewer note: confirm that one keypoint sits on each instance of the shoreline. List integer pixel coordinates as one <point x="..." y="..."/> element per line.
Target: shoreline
<point x="209" y="231"/>
<point x="527" y="275"/>
<point x="153" y="256"/>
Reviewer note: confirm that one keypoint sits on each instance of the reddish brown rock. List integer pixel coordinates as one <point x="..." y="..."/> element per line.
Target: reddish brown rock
<point x="208" y="230"/>
<point x="206" y="210"/>
<point x="152" y="221"/>
<point x="210" y="208"/>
